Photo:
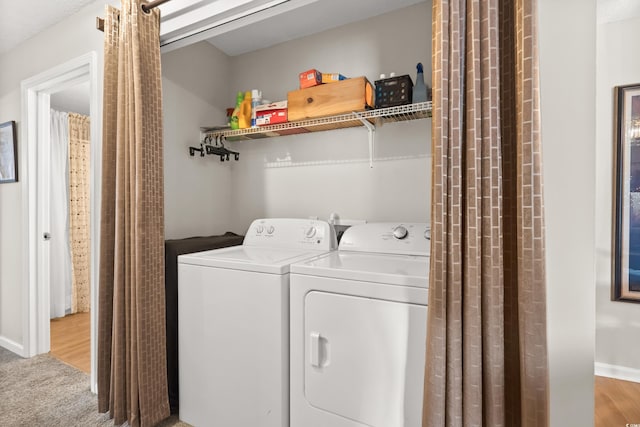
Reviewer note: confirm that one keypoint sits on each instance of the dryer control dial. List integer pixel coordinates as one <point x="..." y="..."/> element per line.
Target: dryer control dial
<point x="311" y="231"/>
<point x="400" y="232"/>
<point x="427" y="234"/>
<point x="259" y="229"/>
<point x="270" y="229"/>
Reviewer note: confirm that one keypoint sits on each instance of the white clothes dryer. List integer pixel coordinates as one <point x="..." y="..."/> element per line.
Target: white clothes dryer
<point x="233" y="324"/>
<point x="358" y="330"/>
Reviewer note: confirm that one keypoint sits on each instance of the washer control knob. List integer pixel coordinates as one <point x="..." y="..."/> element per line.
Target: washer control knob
<point x="259" y="229"/>
<point x="311" y="231"/>
<point x="400" y="232"/>
<point x="427" y="234"/>
<point x="270" y="230"/>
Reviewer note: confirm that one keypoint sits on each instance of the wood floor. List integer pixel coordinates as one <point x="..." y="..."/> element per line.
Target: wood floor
<point x="71" y="340"/>
<point x="617" y="402"/>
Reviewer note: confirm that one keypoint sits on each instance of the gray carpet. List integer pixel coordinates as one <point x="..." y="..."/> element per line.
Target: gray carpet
<point x="43" y="391"/>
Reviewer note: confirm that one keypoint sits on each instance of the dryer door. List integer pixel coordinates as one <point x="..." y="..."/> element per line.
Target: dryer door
<point x="365" y="358"/>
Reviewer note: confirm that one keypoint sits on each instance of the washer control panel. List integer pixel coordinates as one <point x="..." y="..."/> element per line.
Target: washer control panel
<point x="291" y="233"/>
<point x="408" y="238"/>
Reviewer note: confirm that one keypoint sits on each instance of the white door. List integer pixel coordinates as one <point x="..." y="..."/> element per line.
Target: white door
<point x="365" y="359"/>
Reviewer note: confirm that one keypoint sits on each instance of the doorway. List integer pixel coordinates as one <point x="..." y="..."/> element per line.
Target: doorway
<point x="69" y="283"/>
<point x="36" y="155"/>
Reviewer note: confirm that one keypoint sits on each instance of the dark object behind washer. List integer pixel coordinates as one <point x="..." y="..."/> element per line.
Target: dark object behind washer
<point x="173" y="248"/>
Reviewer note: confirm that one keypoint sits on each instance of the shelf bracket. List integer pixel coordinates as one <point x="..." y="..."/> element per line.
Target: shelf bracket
<point x="371" y="130"/>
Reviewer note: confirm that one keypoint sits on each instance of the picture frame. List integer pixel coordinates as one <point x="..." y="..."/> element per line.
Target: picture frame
<point x="8" y="152"/>
<point x="626" y="233"/>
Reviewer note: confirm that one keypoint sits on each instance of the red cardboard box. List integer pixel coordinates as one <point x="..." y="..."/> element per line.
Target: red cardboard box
<point x="271" y="114"/>
<point x="310" y="78"/>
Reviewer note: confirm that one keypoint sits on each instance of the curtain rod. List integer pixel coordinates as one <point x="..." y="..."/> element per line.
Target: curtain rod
<point x="146" y="7"/>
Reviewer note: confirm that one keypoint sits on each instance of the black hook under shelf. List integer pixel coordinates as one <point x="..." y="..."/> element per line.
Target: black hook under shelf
<point x="222" y="152"/>
<point x="217" y="148"/>
<point x="192" y="151"/>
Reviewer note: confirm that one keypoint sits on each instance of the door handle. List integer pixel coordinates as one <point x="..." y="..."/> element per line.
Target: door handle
<point x="46" y="236"/>
<point x="319" y="350"/>
<point x="315" y="349"/>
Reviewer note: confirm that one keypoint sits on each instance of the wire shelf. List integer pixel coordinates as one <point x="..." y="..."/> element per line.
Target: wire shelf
<point x="377" y="117"/>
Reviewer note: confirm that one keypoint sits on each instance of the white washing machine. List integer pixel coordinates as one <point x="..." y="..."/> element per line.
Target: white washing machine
<point x="358" y="330"/>
<point x="233" y="324"/>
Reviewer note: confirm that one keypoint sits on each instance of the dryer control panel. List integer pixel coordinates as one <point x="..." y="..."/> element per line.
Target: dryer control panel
<point x="405" y="238"/>
<point x="291" y="233"/>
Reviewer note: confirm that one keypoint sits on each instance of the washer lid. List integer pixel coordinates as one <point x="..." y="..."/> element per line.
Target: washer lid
<point x="247" y="258"/>
<point x="403" y="270"/>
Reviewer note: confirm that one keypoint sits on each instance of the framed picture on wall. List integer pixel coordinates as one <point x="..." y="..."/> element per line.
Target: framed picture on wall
<point x="8" y="153"/>
<point x="626" y="260"/>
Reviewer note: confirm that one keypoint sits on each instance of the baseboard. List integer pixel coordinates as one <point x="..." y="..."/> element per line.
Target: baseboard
<point x="12" y="346"/>
<point x="617" y="372"/>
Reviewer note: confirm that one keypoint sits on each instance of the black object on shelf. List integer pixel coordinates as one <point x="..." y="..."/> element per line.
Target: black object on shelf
<point x="394" y="91"/>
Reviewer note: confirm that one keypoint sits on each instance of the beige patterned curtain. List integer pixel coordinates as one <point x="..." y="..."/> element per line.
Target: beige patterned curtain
<point x="132" y="372"/>
<point x="486" y="350"/>
<point x="79" y="208"/>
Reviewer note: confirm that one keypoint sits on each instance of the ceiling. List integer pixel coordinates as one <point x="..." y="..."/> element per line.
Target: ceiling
<point x="226" y="22"/>
<point x="75" y="99"/>
<point x="23" y="19"/>
<point x="241" y="26"/>
<point x="310" y="18"/>
<point x="234" y="26"/>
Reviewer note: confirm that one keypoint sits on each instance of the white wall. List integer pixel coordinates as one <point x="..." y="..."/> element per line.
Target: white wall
<point x="617" y="323"/>
<point x="567" y="74"/>
<point x="62" y="42"/>
<point x="316" y="174"/>
<point x="197" y="190"/>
